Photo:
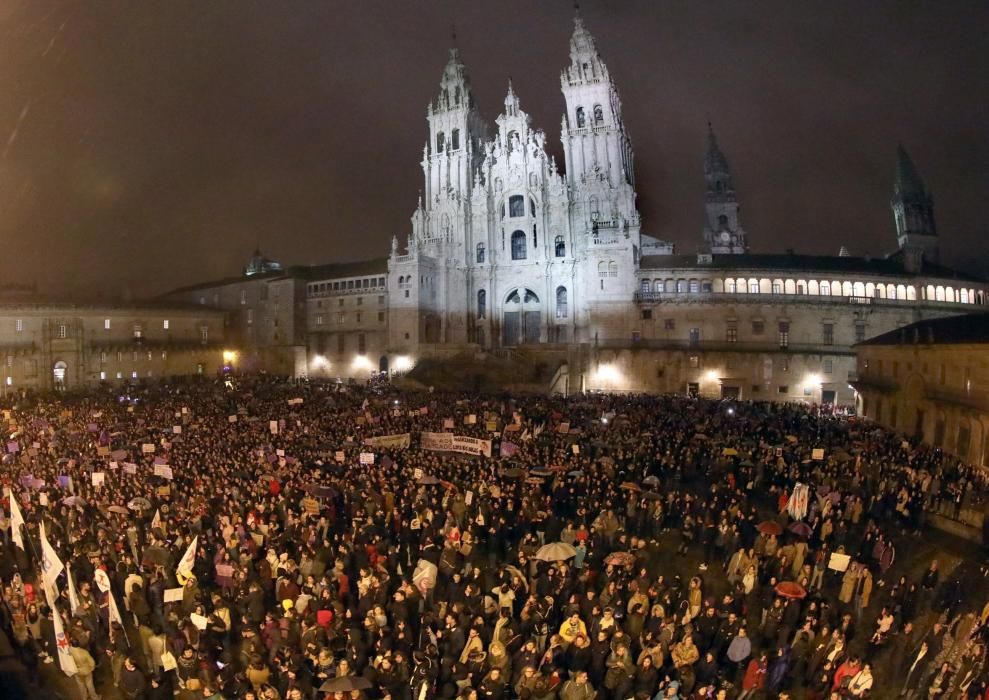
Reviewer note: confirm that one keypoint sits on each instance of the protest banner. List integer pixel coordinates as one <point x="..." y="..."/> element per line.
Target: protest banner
<point x="400" y="440"/>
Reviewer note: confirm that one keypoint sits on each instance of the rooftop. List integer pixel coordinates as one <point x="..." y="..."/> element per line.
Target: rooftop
<point x="954" y="330"/>
<point x="889" y="265"/>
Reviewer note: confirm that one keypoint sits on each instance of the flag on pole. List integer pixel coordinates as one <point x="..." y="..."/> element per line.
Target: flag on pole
<point x="188" y="559"/>
<point x="103" y="583"/>
<point x="51" y="567"/>
<point x="156" y="521"/>
<point x="65" y="659"/>
<point x="73" y="595"/>
<point x="16" y="521"/>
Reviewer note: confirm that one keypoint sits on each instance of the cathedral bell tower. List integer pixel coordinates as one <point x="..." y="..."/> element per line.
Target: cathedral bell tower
<point x="723" y="233"/>
<point x="913" y="211"/>
<point x="451" y="154"/>
<point x="595" y="143"/>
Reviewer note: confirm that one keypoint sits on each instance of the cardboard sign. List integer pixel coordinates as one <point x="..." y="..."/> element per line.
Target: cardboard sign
<point x="164" y="490"/>
<point x="575" y="448"/>
<point x="280" y="452"/>
<point x="164" y="471"/>
<point x="839" y="562"/>
<point x="130" y="468"/>
<point x="470" y="419"/>
<point x="295" y="402"/>
<point x="98" y="478"/>
<point x="367" y="458"/>
<point x="817" y="453"/>
<point x="148" y="448"/>
<point x="198" y="620"/>
<point x="468" y="498"/>
<point x="339" y="456"/>
<point x="103" y="451"/>
<point x="448" y="424"/>
<point x="176" y="429"/>
<point x="231" y="419"/>
<point x="310" y="505"/>
<point x="173" y="595"/>
<point x="273" y="427"/>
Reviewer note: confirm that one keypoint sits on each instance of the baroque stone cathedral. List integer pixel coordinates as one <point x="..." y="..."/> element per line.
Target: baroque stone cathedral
<point x="506" y="248"/>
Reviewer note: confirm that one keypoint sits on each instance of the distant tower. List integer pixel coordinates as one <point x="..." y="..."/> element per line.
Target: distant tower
<point x="723" y="232"/>
<point x="913" y="211"/>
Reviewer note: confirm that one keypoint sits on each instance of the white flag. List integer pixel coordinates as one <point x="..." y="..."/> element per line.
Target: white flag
<point x="73" y="595"/>
<point x="188" y="559"/>
<point x="51" y="566"/>
<point x="65" y="659"/>
<point x="156" y="521"/>
<point x="16" y="521"/>
<point x="103" y="583"/>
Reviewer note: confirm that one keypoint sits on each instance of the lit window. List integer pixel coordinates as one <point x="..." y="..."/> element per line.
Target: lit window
<point x="164" y="324"/>
<point x="164" y="355"/>
<point x="106" y="324"/>
<point x="784" y="334"/>
<point x="103" y="356"/>
<point x="133" y="375"/>
<point x="62" y="330"/>
<point x="138" y="330"/>
<point x="102" y="376"/>
<point x="612" y="269"/>
<point x="19" y="325"/>
<point x="753" y="287"/>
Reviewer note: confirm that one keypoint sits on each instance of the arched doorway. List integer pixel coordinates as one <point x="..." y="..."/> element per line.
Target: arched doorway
<point x="383" y="364"/>
<point x="522" y="316"/>
<point x="59" y="371"/>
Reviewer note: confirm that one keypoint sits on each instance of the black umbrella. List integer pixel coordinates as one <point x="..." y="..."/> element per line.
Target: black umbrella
<point x="345" y="684"/>
<point x="320" y="491"/>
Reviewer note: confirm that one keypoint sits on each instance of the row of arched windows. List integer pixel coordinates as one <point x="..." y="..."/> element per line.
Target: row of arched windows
<point x="454" y="140"/>
<point x="519" y="248"/>
<point x="597" y="112"/>
<point x="562" y="303"/>
<point x="826" y="288"/>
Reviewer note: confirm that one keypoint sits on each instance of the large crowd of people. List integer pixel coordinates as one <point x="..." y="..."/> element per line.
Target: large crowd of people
<point x="265" y="540"/>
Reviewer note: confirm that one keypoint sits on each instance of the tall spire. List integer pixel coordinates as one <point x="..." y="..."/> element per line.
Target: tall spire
<point x="723" y="232"/>
<point x="907" y="178"/>
<point x="913" y="212"/>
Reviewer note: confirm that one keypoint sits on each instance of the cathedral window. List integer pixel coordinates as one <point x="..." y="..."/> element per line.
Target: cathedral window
<point x="455" y="139"/>
<point x="561" y="302"/>
<point x="612" y="269"/>
<point x="440" y="140"/>
<point x="516" y="205"/>
<point x="560" y="247"/>
<point x="480" y="252"/>
<point x="722" y="221"/>
<point x="602" y="269"/>
<point x="581" y="120"/>
<point x="482" y="303"/>
<point x="518" y="245"/>
<point x="598" y="115"/>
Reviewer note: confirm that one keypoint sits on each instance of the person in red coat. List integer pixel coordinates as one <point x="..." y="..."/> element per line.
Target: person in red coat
<point x="755" y="676"/>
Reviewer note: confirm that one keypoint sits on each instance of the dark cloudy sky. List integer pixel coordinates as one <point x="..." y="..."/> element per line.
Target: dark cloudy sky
<point x="147" y="144"/>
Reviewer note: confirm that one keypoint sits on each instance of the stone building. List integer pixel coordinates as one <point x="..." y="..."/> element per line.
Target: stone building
<point x="930" y="379"/>
<point x="511" y="255"/>
<point x="50" y="345"/>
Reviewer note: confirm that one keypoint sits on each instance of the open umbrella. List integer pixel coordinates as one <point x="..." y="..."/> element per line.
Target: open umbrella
<point x="651" y="496"/>
<point x="575" y="473"/>
<point x="424" y="576"/>
<point x="74" y="501"/>
<point x="139" y="503"/>
<point x="801" y="529"/>
<point x="320" y="490"/>
<point x="428" y="480"/>
<point x="651" y="480"/>
<point x="629" y="486"/>
<point x="790" y="589"/>
<point x="512" y="473"/>
<point x="699" y="436"/>
<point x="620" y="559"/>
<point x="556" y="551"/>
<point x="345" y="684"/>
<point x="118" y="509"/>
<point x="541" y="472"/>
<point x="770" y="527"/>
<point x="729" y="452"/>
<point x="535" y="480"/>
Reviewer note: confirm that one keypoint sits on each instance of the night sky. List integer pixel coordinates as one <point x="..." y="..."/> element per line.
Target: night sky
<point x="146" y="145"/>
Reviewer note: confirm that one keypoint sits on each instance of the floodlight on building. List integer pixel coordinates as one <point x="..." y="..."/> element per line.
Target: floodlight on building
<point x="403" y="363"/>
<point x="607" y="374"/>
<point x="711" y="375"/>
<point x="320" y="362"/>
<point x="229" y="357"/>
<point x="812" y="380"/>
<point x="361" y="363"/>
